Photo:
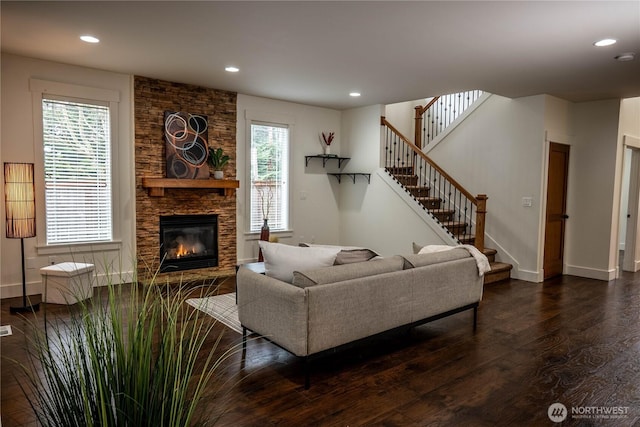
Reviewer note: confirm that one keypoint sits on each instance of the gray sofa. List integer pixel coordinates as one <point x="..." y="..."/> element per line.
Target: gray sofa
<point x="330" y="307"/>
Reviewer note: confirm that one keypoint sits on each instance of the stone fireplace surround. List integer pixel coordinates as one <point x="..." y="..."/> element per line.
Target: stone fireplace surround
<point x="151" y="98"/>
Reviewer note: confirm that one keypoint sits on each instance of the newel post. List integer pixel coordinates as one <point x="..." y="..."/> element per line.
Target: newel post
<point x="481" y="212"/>
<point x="417" y="139"/>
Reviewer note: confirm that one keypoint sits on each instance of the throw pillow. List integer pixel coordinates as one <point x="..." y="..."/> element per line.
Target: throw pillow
<point x="351" y="256"/>
<point x="346" y="254"/>
<point x="281" y="260"/>
<point x="428" y="258"/>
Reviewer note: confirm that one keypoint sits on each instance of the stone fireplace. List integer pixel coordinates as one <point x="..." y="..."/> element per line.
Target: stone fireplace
<point x="152" y="98"/>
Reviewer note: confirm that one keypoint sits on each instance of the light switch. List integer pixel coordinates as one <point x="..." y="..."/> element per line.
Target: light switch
<point x="527" y="202"/>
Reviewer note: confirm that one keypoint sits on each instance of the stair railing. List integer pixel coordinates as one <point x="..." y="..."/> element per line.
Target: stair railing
<point x="432" y="119"/>
<point x="403" y="157"/>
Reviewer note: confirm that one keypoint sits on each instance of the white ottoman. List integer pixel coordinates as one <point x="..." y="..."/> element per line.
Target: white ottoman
<point x="67" y="282"/>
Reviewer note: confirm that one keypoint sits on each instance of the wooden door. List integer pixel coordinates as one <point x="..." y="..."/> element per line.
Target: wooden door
<point x="556" y="209"/>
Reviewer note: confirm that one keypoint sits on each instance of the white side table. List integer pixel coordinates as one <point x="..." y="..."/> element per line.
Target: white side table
<point x="67" y="282"/>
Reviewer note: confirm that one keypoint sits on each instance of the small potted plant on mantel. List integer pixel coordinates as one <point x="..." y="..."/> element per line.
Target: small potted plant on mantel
<point x="217" y="160"/>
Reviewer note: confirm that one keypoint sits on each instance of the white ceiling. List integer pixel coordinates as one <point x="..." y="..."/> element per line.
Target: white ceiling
<point x="317" y="52"/>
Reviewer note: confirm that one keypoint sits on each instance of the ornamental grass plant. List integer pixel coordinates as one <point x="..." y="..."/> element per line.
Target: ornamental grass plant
<point x="142" y="359"/>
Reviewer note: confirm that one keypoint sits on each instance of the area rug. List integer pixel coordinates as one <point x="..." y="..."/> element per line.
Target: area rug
<point x="221" y="307"/>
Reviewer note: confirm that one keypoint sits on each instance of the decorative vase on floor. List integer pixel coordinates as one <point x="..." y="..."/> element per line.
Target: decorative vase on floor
<point x="264" y="235"/>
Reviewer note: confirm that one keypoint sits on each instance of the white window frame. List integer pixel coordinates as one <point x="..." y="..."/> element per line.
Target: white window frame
<point x="279" y="120"/>
<point x="42" y="89"/>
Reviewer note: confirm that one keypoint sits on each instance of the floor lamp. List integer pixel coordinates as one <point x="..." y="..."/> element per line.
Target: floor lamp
<point x="20" y="205"/>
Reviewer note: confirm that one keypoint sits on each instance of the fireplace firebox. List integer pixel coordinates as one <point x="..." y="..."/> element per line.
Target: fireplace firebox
<point x="188" y="242"/>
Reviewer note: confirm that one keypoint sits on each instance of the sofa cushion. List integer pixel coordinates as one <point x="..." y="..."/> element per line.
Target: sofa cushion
<point x="340" y="273"/>
<point x="281" y="260"/>
<point x="421" y="260"/>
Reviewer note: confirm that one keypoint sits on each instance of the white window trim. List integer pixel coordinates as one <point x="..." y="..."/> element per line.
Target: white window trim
<point x="252" y="116"/>
<point x="42" y="88"/>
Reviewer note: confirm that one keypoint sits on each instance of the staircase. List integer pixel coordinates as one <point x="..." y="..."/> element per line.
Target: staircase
<point x="446" y="217"/>
<point x="441" y="196"/>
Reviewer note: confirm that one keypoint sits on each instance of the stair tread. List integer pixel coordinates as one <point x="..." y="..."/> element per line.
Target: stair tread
<point x="489" y="251"/>
<point x="442" y="211"/>
<point x="454" y="223"/>
<point x="497" y="267"/>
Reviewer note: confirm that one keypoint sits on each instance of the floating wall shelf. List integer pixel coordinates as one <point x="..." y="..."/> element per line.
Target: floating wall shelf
<point x="156" y="186"/>
<point x="351" y="175"/>
<point x="325" y="158"/>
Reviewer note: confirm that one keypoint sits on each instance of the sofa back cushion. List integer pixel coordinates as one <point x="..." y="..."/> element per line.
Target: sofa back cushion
<point x="340" y="273"/>
<point x="421" y="260"/>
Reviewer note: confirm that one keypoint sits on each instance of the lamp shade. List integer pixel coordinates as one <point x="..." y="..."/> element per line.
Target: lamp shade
<point x="20" y="202"/>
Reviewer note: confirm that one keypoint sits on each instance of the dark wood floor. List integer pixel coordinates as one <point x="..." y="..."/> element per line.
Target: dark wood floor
<point x="570" y="340"/>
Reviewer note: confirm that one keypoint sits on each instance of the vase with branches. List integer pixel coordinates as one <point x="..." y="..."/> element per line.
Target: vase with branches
<point x="328" y="139"/>
<point x="266" y="199"/>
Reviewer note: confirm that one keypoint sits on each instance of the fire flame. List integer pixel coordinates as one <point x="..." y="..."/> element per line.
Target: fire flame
<point x="183" y="251"/>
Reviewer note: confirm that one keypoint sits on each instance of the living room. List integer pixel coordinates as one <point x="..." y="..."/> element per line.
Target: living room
<point x="505" y="143"/>
<point x="325" y="211"/>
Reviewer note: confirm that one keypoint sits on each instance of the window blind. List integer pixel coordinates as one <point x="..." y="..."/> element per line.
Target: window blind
<point x="269" y="174"/>
<point x="77" y="167"/>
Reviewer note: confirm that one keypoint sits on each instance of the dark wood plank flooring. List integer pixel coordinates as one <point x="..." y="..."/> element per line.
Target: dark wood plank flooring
<point x="569" y="340"/>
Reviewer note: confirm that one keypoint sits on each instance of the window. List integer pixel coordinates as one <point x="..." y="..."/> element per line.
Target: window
<point x="269" y="176"/>
<point x="77" y="170"/>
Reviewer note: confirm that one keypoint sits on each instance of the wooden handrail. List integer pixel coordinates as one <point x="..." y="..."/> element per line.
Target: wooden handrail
<point x="441" y="171"/>
<point x="418" y="120"/>
<point x="479" y="201"/>
<point x="384" y="122"/>
<point x="422" y="110"/>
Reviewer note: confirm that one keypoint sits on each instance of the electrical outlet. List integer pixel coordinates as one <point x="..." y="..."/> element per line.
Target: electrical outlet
<point x="31" y="263"/>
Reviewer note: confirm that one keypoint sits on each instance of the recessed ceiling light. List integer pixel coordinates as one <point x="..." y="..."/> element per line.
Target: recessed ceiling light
<point x="354" y="94"/>
<point x="605" y="42"/>
<point x="89" y="39"/>
<point x="627" y="56"/>
<point x="232" y="69"/>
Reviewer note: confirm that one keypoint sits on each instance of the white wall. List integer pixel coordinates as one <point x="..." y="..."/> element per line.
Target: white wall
<point x="314" y="194"/>
<point x="498" y="151"/>
<point x="402" y="116"/>
<point x="374" y="215"/>
<point x="18" y="141"/>
<point x="591" y="242"/>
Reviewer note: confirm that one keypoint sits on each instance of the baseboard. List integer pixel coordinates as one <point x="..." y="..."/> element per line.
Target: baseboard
<point x="590" y="273"/>
<point x="14" y="290"/>
<point x="526" y="275"/>
<point x="635" y="266"/>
